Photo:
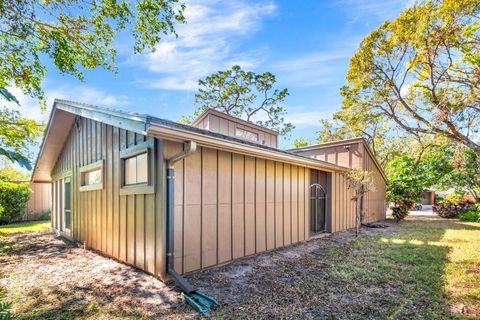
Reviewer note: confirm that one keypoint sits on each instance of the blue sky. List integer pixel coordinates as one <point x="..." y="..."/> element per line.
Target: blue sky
<point x="306" y="44"/>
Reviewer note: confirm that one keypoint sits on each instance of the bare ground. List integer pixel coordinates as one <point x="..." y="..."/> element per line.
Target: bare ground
<point x="332" y="277"/>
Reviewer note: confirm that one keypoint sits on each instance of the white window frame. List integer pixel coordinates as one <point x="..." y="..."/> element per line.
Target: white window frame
<point x="98" y="165"/>
<point x="147" y="147"/>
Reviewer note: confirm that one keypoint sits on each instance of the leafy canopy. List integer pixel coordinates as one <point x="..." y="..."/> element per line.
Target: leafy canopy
<point x="243" y="94"/>
<point x="75" y="35"/>
<point x="420" y="73"/>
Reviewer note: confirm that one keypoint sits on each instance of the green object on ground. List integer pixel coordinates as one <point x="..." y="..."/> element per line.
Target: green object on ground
<point x="201" y="302"/>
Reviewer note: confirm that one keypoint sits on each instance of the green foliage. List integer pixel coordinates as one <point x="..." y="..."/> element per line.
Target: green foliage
<point x="17" y="134"/>
<point x="472" y="215"/>
<point x="453" y="198"/>
<point x="464" y="173"/>
<point x="418" y="73"/>
<point x="13" y="199"/>
<point x="406" y="184"/>
<point x="45" y="215"/>
<point x="75" y="35"/>
<point x="5" y="310"/>
<point x="300" y="142"/>
<point x="243" y="94"/>
<point x="8" y="173"/>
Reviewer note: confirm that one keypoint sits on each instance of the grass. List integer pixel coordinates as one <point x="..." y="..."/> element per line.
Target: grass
<point x="24" y="227"/>
<point x="421" y="268"/>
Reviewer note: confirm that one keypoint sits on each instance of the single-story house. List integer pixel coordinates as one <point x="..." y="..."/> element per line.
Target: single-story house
<point x="165" y="196"/>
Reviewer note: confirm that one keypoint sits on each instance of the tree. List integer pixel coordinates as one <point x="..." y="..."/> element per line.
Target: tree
<point x="360" y="182"/>
<point x="16" y="133"/>
<point x="420" y="72"/>
<point x="243" y="94"/>
<point x="463" y="172"/>
<point x="8" y="173"/>
<point x="301" y="142"/>
<point x="406" y="182"/>
<point x="75" y="35"/>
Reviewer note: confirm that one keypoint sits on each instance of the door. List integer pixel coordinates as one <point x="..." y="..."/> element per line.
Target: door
<point x="318" y="205"/>
<point x="67" y="205"/>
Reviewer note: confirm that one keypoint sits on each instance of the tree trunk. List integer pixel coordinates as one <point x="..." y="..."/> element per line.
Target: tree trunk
<point x="357" y="218"/>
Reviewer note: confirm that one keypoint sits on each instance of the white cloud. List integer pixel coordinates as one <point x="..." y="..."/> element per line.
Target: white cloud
<point x="306" y="119"/>
<point x="30" y="108"/>
<point x="312" y="69"/>
<point x="384" y="10"/>
<point x="206" y="43"/>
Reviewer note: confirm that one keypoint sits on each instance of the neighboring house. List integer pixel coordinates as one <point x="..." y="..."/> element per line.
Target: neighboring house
<point x="234" y="194"/>
<point x="40" y="201"/>
<point x="428" y="197"/>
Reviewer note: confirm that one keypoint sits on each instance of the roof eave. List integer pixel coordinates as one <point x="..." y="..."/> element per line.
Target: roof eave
<point x="177" y="134"/>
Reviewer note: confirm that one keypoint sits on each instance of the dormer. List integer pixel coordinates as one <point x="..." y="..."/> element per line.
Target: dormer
<point x="228" y="125"/>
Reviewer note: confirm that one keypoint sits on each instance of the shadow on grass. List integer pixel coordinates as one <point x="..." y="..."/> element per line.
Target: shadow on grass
<point x="395" y="276"/>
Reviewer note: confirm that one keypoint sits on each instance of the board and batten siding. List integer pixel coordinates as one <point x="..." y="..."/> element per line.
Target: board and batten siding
<point x="129" y="228"/>
<point x="229" y="205"/>
<point x="356" y="156"/>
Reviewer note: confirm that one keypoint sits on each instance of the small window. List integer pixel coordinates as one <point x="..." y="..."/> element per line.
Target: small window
<point x="138" y="173"/>
<point x="91" y="176"/>
<point x="245" y="134"/>
<point x="136" y="169"/>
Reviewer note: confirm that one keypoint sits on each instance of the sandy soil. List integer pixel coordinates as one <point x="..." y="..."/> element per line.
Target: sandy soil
<point x="47" y="277"/>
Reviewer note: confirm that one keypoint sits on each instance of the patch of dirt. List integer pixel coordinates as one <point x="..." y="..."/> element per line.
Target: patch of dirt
<point x="48" y="277"/>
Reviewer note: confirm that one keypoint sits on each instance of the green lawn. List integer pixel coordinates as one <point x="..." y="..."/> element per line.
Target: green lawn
<point x="24" y="227"/>
<point x="420" y="268"/>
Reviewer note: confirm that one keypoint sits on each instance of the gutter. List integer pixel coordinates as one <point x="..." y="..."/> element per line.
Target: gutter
<point x="201" y="302"/>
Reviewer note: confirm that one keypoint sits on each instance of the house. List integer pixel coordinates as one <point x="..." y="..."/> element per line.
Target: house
<point x="164" y="196"/>
<point x="40" y="200"/>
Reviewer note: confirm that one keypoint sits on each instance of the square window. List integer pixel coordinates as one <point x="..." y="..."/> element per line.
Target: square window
<point x="245" y="134"/>
<point x="136" y="169"/>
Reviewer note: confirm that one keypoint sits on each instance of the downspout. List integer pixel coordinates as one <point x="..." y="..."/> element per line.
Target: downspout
<point x="201" y="302"/>
<point x="191" y="146"/>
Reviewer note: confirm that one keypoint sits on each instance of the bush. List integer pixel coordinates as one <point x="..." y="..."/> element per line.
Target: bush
<point x="452" y="207"/>
<point x="45" y="215"/>
<point x="13" y="200"/>
<point x="471" y="215"/>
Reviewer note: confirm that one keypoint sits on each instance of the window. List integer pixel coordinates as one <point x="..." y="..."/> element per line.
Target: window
<point x="138" y="173"/>
<point x="245" y="134"/>
<point x="136" y="169"/>
<point x="91" y="176"/>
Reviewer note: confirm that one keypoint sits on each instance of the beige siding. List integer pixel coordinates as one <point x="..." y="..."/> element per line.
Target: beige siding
<point x="126" y="227"/>
<point x="40" y="200"/>
<point x="234" y="206"/>
<point x="356" y="156"/>
<point x="224" y="124"/>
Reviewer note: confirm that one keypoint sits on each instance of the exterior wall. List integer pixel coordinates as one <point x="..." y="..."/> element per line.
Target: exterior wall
<point x="228" y="205"/>
<point x="354" y="157"/>
<point x="375" y="201"/>
<point x="350" y="158"/>
<point x="40" y="200"/>
<point x="129" y="228"/>
<point x="428" y="197"/>
<point x="226" y="125"/>
<point x="341" y="215"/>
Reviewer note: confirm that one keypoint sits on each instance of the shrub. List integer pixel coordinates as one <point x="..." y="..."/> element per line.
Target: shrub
<point x="451" y="208"/>
<point x="13" y="200"/>
<point x="45" y="215"/>
<point x="471" y="215"/>
<point x="453" y="198"/>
